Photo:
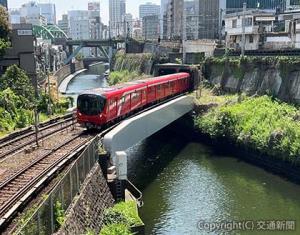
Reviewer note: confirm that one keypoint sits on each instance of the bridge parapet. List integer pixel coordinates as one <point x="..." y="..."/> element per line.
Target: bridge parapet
<point x="138" y="128"/>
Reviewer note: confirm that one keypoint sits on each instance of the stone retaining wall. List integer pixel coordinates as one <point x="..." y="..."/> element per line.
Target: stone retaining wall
<point x="87" y="212"/>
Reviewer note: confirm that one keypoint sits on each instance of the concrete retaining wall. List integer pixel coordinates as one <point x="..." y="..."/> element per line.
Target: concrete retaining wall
<point x="65" y="71"/>
<point x="87" y="211"/>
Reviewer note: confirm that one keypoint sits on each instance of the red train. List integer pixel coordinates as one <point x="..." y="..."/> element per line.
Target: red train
<point x="99" y="107"/>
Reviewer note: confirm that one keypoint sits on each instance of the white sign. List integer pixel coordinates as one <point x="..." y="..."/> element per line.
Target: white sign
<point x="25" y="32"/>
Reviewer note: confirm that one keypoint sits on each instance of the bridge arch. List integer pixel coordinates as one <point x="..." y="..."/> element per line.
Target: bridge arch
<point x="49" y="32"/>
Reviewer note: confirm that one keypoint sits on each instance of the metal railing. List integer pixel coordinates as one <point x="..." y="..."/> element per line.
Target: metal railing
<point x="46" y="218"/>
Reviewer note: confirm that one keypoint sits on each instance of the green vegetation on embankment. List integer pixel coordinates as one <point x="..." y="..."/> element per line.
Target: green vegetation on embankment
<point x="17" y="101"/>
<point x="262" y="124"/>
<point x="238" y="66"/>
<point x="128" y="67"/>
<point x="120" y="218"/>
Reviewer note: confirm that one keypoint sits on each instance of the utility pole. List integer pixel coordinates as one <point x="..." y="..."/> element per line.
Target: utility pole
<point x="36" y="114"/>
<point x="110" y="47"/>
<point x="49" y="93"/>
<point x="184" y="38"/>
<point x="244" y="29"/>
<point x="220" y="26"/>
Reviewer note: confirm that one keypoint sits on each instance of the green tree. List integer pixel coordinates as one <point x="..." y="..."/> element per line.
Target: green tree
<point x="17" y="80"/>
<point x="3" y="45"/>
<point x="4" y="24"/>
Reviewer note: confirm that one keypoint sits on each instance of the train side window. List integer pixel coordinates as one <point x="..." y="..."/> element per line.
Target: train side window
<point x="123" y="99"/>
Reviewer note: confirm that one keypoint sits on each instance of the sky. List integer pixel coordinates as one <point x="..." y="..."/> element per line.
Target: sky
<point x="62" y="6"/>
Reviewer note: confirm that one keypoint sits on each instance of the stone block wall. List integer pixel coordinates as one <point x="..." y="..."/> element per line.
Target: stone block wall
<point x="87" y="211"/>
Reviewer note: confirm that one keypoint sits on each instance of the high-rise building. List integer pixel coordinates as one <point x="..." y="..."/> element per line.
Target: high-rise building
<point x="123" y="8"/>
<point x="38" y="13"/>
<point x="85" y="24"/>
<point x="261" y="4"/>
<point x="63" y="24"/>
<point x="192" y="19"/>
<point x="174" y="19"/>
<point x="31" y="14"/>
<point x="48" y="10"/>
<point x="163" y="17"/>
<point x="149" y="9"/>
<point x="209" y="18"/>
<point x="151" y="27"/>
<point x="117" y="11"/>
<point x="3" y="3"/>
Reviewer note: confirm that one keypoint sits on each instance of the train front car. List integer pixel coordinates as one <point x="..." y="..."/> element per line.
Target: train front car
<point x="90" y="110"/>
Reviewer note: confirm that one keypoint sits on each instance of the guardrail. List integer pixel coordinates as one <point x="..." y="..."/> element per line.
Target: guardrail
<point x="45" y="220"/>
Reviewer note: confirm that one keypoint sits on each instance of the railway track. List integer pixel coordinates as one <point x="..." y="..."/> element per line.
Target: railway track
<point x="16" y="186"/>
<point x="14" y="143"/>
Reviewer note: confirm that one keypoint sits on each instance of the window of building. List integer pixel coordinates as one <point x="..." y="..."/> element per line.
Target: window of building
<point x="234" y="23"/>
<point x="251" y="39"/>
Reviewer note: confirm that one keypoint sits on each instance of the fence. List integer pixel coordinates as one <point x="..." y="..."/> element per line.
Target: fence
<point x="47" y="217"/>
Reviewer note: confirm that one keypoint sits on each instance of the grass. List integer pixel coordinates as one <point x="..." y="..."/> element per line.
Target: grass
<point x="208" y="97"/>
<point x="120" y="218"/>
<point x="123" y="76"/>
<point x="261" y="123"/>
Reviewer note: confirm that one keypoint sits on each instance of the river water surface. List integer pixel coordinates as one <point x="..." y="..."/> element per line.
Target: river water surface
<point x="186" y="182"/>
<point x="92" y="78"/>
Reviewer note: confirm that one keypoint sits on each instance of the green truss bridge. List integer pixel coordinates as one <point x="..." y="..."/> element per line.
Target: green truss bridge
<point x="49" y="32"/>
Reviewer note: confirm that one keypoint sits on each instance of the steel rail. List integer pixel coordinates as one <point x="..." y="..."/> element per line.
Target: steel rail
<point x="18" y="144"/>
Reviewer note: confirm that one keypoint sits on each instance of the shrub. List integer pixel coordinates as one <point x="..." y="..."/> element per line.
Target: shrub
<point x="261" y="123"/>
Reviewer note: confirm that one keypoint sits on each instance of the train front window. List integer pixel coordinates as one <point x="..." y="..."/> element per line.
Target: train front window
<point x="90" y="104"/>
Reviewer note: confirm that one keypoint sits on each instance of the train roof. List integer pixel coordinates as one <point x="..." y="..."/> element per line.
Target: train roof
<point x="134" y="85"/>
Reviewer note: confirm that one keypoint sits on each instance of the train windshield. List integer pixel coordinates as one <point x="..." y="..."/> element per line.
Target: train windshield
<point x="90" y="104"/>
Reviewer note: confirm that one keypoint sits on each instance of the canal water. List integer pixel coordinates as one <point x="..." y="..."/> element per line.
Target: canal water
<point x="92" y="78"/>
<point x="187" y="186"/>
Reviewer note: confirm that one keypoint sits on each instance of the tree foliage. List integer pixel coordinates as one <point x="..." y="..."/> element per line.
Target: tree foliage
<point x="3" y="45"/>
<point x="4" y="24"/>
<point x="17" y="80"/>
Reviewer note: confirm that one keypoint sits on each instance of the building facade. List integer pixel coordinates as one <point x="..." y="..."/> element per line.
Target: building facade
<point x="163" y="18"/>
<point x="48" y="10"/>
<point x="192" y="19"/>
<point x="209" y="18"/>
<point x="174" y="19"/>
<point x="21" y="51"/>
<point x="149" y="9"/>
<point x="31" y="14"/>
<point x="151" y="27"/>
<point x="117" y="11"/>
<point x="261" y="4"/>
<point x="63" y="24"/>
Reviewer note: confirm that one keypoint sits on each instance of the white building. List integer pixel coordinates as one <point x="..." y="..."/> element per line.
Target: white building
<point x="63" y="24"/>
<point x="261" y="31"/>
<point x="79" y="26"/>
<point x="35" y="13"/>
<point x="84" y="25"/>
<point x="48" y="10"/>
<point x="149" y="9"/>
<point x="31" y="14"/>
<point x="14" y="16"/>
<point x="117" y="11"/>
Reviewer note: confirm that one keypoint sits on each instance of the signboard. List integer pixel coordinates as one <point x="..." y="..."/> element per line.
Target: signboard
<point x="24" y="32"/>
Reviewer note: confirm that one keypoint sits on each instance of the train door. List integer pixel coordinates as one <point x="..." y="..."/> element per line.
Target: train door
<point x="144" y="97"/>
<point x="112" y="108"/>
<point x="151" y="94"/>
